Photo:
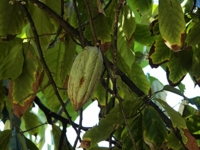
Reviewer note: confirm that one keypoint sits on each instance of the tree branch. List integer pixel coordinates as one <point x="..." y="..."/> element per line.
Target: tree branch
<point x="146" y="100"/>
<point x="37" y="41"/>
<point x="66" y="26"/>
<point x="49" y="114"/>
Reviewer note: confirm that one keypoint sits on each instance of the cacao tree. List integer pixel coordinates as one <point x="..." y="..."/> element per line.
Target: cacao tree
<point x="39" y="41"/>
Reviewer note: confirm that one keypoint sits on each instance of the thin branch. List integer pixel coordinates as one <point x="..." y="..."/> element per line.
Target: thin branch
<point x="62" y="137"/>
<point x="49" y="114"/>
<point x="91" y="22"/>
<point x="37" y="41"/>
<point x="34" y="127"/>
<point x="66" y="26"/>
<point x="79" y="23"/>
<point x="115" y="33"/>
<point x="79" y="128"/>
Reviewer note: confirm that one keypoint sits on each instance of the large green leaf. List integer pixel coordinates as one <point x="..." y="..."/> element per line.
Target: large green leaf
<point x="125" y="49"/>
<point x="141" y="5"/>
<point x="193" y="36"/>
<point x="28" y="80"/>
<point x="179" y="64"/>
<point x="102" y="30"/>
<point x="177" y="120"/>
<point x="128" y="22"/>
<point x="43" y="26"/>
<point x="138" y="77"/>
<point x="143" y="35"/>
<point x="154" y="129"/>
<point x="111" y="122"/>
<point x="12" y="18"/>
<point x="135" y="128"/>
<point x="59" y="60"/>
<point x="11" y="59"/>
<point x="56" y="135"/>
<point x="31" y="121"/>
<point x="171" y="23"/>
<point x="159" y="52"/>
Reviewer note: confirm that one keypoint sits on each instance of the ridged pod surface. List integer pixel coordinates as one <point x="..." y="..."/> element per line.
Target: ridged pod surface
<point x="84" y="76"/>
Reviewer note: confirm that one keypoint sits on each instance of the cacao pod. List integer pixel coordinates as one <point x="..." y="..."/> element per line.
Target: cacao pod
<point x="84" y="76"/>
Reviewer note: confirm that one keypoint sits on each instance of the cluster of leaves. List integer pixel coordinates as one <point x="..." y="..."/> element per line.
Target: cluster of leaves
<point x="39" y="41"/>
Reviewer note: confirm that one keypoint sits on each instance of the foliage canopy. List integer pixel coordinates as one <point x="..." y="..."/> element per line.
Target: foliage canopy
<point x="39" y="41"/>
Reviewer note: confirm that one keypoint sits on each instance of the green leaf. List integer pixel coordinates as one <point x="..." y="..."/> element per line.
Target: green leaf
<point x="171" y="23"/>
<point x="31" y="121"/>
<point x="141" y="5"/>
<point x="102" y="30"/>
<point x="31" y="145"/>
<point x="128" y="22"/>
<point x="59" y="60"/>
<point x="179" y="64"/>
<point x="143" y="35"/>
<point x="159" y="52"/>
<point x="195" y="63"/>
<point x="12" y="18"/>
<point x="111" y="122"/>
<point x="139" y="78"/>
<point x="5" y="137"/>
<point x="173" y="90"/>
<point x="176" y="118"/>
<point x="192" y="118"/>
<point x="56" y="135"/>
<point x="172" y="141"/>
<point x="195" y="101"/>
<point x="154" y="129"/>
<point x="193" y="37"/>
<point x="43" y="26"/>
<point x="99" y="94"/>
<point x="28" y="80"/>
<point x="125" y="49"/>
<point x="135" y="128"/>
<point x="11" y="59"/>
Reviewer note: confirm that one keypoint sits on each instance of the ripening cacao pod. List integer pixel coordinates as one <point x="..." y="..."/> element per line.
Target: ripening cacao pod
<point x="84" y="76"/>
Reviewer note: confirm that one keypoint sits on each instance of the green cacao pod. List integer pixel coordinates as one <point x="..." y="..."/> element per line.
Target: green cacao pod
<point x="84" y="76"/>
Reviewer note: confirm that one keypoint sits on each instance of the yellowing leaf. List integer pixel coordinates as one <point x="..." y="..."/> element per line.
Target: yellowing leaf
<point x="171" y="23"/>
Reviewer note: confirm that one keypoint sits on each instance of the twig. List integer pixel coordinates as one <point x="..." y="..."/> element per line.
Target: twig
<point x="59" y="30"/>
<point x="79" y="128"/>
<point x="34" y="127"/>
<point x="37" y="41"/>
<point x="91" y="21"/>
<point x="62" y="137"/>
<point x="49" y="114"/>
<point x="79" y="24"/>
<point x="66" y="26"/>
<point x="115" y="32"/>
